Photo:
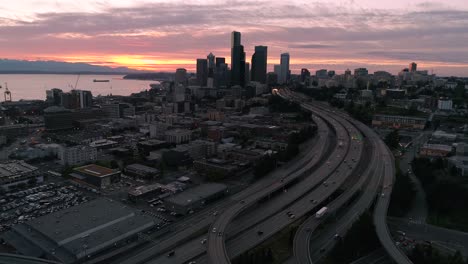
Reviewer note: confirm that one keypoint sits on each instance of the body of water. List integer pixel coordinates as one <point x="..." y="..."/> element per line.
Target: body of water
<point x="34" y="86"/>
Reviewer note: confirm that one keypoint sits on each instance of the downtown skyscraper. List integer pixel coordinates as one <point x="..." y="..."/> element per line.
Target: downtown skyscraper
<point x="237" y="60"/>
<point x="259" y="64"/>
<point x="202" y="72"/>
<point x="284" y="71"/>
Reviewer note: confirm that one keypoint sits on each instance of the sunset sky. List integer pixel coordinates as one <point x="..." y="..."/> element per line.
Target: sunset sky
<point x="163" y="35"/>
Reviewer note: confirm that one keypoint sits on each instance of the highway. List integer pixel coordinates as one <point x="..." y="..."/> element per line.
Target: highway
<point x="280" y="219"/>
<point x="200" y="223"/>
<point x="217" y="250"/>
<point x="382" y="204"/>
<point x="262" y="210"/>
<point x="448" y="238"/>
<point x="302" y="240"/>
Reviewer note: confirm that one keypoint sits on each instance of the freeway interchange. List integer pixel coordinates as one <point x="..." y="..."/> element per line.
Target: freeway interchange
<point x="347" y="169"/>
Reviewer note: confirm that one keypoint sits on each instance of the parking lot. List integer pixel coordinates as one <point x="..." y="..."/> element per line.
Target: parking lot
<point x="20" y="206"/>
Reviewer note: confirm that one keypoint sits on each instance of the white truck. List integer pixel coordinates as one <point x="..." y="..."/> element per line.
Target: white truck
<point x="321" y="212"/>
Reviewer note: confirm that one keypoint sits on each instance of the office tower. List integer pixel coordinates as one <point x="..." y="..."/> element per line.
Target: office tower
<point x="277" y="69"/>
<point x="347" y="74"/>
<point x="284" y="73"/>
<point x="247" y="72"/>
<point x="211" y="63"/>
<point x="360" y="72"/>
<point x="321" y="74"/>
<point x="331" y="73"/>
<point x="259" y="64"/>
<point x="237" y="60"/>
<point x="54" y="96"/>
<point x="305" y="75"/>
<point x="86" y="98"/>
<point x="219" y="61"/>
<point x="202" y="71"/>
<point x="413" y="67"/>
<point x="211" y="68"/>
<point x="235" y="40"/>
<point x="221" y="75"/>
<point x="178" y="93"/>
<point x="76" y="99"/>
<point x="180" y="76"/>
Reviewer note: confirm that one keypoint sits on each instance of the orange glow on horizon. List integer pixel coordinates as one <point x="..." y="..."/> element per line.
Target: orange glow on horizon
<point x="165" y="63"/>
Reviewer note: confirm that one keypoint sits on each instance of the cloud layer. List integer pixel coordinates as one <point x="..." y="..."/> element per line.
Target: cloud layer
<point x="165" y="35"/>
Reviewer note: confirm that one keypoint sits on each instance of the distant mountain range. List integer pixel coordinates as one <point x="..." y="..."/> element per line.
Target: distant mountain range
<point x="23" y="66"/>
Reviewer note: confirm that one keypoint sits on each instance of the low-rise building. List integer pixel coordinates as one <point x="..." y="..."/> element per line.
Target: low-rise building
<point x="195" y="198"/>
<point x="78" y="233"/>
<point x="460" y="163"/>
<point x="435" y="150"/>
<point x="444" y="104"/>
<point x="76" y="155"/>
<point x="95" y="175"/>
<point x="444" y="136"/>
<point x="13" y="173"/>
<point x="266" y="143"/>
<point x="141" y="171"/>
<point x="178" y="136"/>
<point x="103" y="144"/>
<point x="215" y="166"/>
<point x="462" y="149"/>
<point x="405" y="122"/>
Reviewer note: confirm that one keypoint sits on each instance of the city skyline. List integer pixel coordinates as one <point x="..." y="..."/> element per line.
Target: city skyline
<point x="322" y="34"/>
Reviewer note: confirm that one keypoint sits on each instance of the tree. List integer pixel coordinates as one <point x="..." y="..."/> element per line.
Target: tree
<point x="393" y="139"/>
<point x="402" y="195"/>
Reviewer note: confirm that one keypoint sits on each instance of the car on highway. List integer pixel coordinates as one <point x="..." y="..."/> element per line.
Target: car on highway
<point x="214" y="230"/>
<point x="220" y="233"/>
<point x="259" y="232"/>
<point x="203" y="241"/>
<point x="171" y="253"/>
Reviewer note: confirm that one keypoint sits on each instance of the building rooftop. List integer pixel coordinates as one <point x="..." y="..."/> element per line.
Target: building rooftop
<point x="95" y="170"/>
<point x="437" y="147"/>
<point x="197" y="193"/>
<point x="15" y="168"/>
<point x="82" y="230"/>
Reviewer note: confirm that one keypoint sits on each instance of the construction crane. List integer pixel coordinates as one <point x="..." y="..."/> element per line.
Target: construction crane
<point x="77" y="79"/>
<point x="7" y="93"/>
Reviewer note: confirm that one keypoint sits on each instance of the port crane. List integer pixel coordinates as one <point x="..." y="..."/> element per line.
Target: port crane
<point x="7" y="93"/>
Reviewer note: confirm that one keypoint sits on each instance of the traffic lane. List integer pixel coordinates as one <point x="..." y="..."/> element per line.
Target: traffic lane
<point x="308" y="202"/>
<point x="326" y="240"/>
<point x="216" y="248"/>
<point x="425" y="232"/>
<point x="204" y="220"/>
<point x="182" y="254"/>
<point x="303" y="245"/>
<point x="280" y="220"/>
<point x="270" y="207"/>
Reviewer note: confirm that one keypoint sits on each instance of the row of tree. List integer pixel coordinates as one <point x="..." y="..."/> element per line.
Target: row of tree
<point x="426" y="254"/>
<point x="360" y="240"/>
<point x="403" y="193"/>
<point x="446" y="194"/>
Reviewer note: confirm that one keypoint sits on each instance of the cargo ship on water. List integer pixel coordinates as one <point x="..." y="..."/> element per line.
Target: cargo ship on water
<point x="95" y="80"/>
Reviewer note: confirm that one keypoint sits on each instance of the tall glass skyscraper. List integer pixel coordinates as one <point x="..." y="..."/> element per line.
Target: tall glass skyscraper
<point x="237" y="60"/>
<point x="202" y="71"/>
<point x="284" y="72"/>
<point x="259" y="64"/>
